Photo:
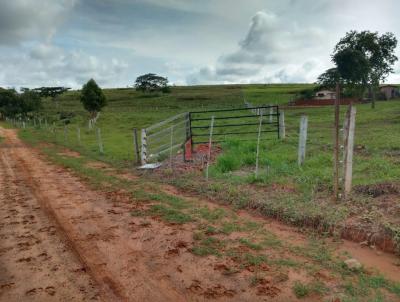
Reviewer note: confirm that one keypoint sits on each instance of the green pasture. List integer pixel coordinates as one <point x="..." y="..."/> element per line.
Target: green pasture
<point x="377" y="137"/>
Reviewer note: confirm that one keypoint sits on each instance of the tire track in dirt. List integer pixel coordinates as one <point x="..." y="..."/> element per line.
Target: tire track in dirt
<point x="87" y="221"/>
<point x="131" y="258"/>
<point x="134" y="258"/>
<point x="35" y="262"/>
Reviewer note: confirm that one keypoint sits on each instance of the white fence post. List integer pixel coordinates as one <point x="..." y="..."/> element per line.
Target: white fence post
<point x="65" y="134"/>
<point x="99" y="140"/>
<point x="144" y="147"/>
<point x="271" y="113"/>
<point x="302" y="139"/>
<point x="348" y="161"/>
<point x="282" y="129"/>
<point x="209" y="146"/>
<point x="171" y="145"/>
<point x="258" y="144"/>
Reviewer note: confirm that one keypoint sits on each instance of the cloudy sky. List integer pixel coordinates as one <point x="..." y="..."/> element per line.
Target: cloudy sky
<point x="66" y="42"/>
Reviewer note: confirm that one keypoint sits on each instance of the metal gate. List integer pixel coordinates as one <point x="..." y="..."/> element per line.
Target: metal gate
<point x="162" y="138"/>
<point x="239" y="123"/>
<point x="190" y="128"/>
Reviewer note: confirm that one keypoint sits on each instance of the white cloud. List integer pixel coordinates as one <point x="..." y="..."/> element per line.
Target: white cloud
<point x="67" y="41"/>
<point x="273" y="50"/>
<point x="22" y="20"/>
<point x="48" y="65"/>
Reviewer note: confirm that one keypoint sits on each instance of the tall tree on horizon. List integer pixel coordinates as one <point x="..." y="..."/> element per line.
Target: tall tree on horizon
<point x="93" y="99"/>
<point x="365" y="58"/>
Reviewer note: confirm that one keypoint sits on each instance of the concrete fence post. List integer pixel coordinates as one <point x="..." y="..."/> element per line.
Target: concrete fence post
<point x="258" y="145"/>
<point x="282" y="129"/>
<point x="171" y="145"/>
<point x="348" y="161"/>
<point x="302" y="139"/>
<point x="99" y="140"/>
<point x="210" y="145"/>
<point x="65" y="134"/>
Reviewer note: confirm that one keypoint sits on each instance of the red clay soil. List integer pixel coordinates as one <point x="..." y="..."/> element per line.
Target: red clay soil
<point x="54" y="229"/>
<point x="36" y="264"/>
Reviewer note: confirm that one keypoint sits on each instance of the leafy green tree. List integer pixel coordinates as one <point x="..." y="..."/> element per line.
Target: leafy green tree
<point x="365" y="58"/>
<point x="13" y="104"/>
<point x="92" y="98"/>
<point x="52" y="92"/>
<point x="151" y="82"/>
<point x="329" y="79"/>
<point x="30" y="101"/>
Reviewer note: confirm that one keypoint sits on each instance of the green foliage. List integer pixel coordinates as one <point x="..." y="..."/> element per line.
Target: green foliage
<point x="329" y="78"/>
<point x="52" y="92"/>
<point x="169" y="214"/>
<point x="13" y="104"/>
<point x="151" y="82"/>
<point x="92" y="98"/>
<point x="207" y="246"/>
<point x="352" y="66"/>
<point x="249" y="244"/>
<point x="370" y="49"/>
<point x="300" y="290"/>
<point x="307" y="94"/>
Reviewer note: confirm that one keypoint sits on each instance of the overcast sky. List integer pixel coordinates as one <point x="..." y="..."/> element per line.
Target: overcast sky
<point x="67" y="42"/>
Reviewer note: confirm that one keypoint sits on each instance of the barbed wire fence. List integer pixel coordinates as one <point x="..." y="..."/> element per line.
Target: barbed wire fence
<point x="163" y="140"/>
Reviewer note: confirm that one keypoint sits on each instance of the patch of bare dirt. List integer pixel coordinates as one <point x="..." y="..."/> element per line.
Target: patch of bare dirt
<point x="131" y="258"/>
<point x="69" y="153"/>
<point x="198" y="161"/>
<point x="377" y="190"/>
<point x="36" y="264"/>
<point x="136" y="258"/>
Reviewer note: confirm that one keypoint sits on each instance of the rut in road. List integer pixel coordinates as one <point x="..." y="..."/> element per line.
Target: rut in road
<point x="143" y="258"/>
<point x="130" y="258"/>
<point x="35" y="262"/>
<point x="87" y="220"/>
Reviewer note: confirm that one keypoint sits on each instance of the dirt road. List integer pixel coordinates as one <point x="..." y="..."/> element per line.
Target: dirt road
<point x="62" y="241"/>
<point x="35" y="262"/>
<point x="34" y="259"/>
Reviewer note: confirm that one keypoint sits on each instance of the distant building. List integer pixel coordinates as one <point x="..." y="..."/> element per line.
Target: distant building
<point x="389" y="91"/>
<point x="325" y="95"/>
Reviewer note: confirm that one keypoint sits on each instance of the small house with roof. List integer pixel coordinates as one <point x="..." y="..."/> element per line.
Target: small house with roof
<point x="389" y="92"/>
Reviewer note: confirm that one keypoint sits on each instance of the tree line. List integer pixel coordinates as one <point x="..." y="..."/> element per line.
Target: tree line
<point x="28" y="102"/>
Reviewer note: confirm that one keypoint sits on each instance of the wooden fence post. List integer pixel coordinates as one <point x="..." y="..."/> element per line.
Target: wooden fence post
<point x="302" y="139"/>
<point x="258" y="145"/>
<point x="348" y="161"/>
<point x="210" y="145"/>
<point x="282" y="129"/>
<point x="99" y="140"/>
<point x="136" y="144"/>
<point x="144" y="147"/>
